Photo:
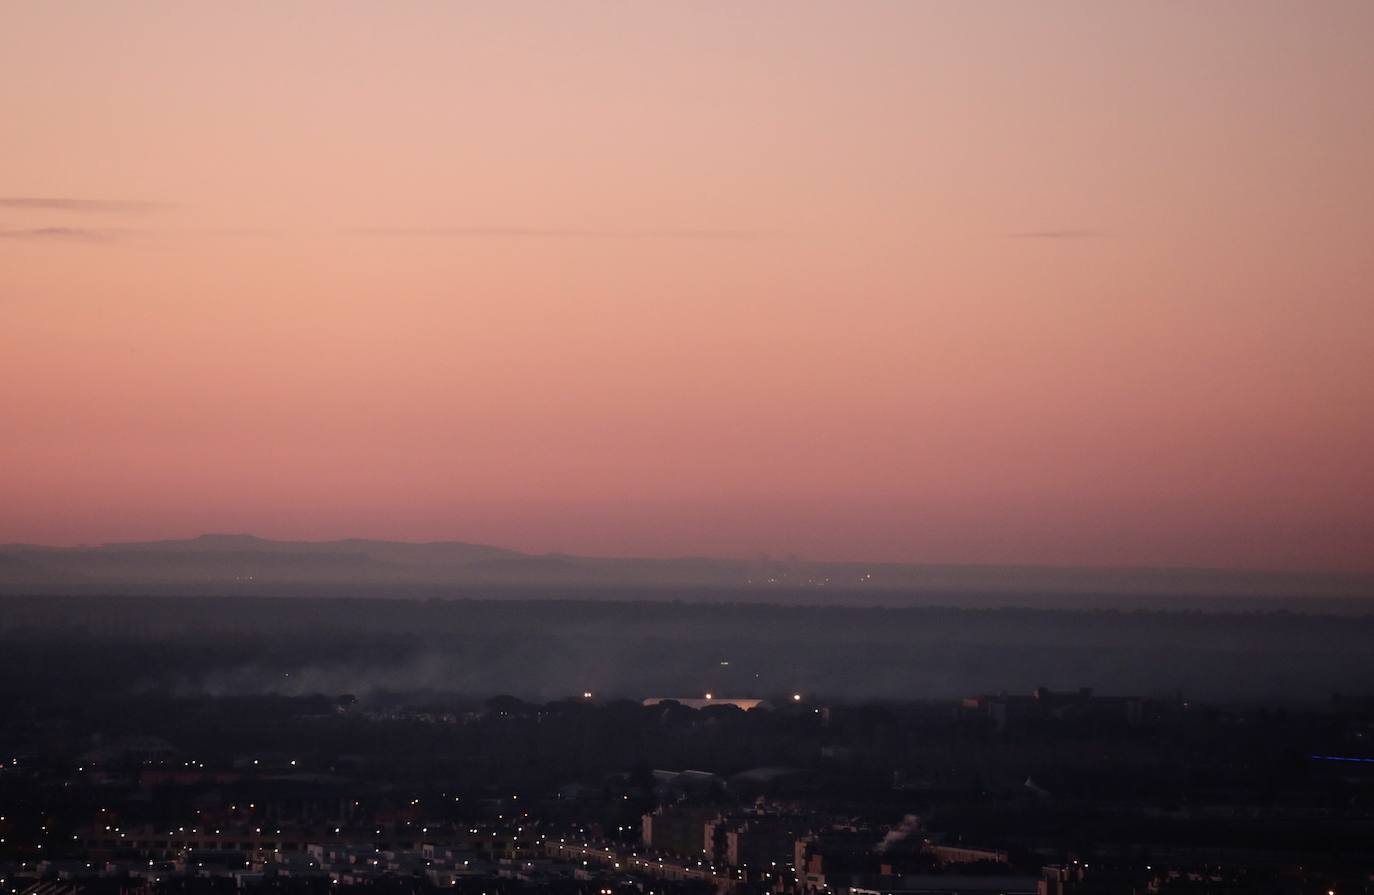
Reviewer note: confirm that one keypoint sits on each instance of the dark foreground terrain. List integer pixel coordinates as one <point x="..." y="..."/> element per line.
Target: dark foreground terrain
<point x="164" y="745"/>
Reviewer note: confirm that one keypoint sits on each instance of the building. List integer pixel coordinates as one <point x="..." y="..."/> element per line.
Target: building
<point x="709" y="701"/>
<point x="678" y="830"/>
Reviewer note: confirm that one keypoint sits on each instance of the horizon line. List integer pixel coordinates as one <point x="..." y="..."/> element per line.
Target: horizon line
<point x="767" y="557"/>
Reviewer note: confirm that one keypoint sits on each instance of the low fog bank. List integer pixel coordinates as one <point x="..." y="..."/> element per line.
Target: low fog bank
<point x="79" y="647"/>
<point x="249" y="566"/>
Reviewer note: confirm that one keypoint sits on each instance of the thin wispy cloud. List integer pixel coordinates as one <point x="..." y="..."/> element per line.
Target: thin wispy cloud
<point x="141" y="235"/>
<point x="1058" y="234"/>
<point x="98" y="206"/>
<point x="65" y="234"/>
<point x="560" y="233"/>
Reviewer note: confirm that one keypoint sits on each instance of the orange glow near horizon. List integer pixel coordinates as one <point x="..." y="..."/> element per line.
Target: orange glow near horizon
<point x="1049" y="283"/>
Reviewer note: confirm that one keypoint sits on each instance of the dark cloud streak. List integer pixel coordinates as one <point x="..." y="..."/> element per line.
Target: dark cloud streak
<point x="99" y="206"/>
<point x="64" y="234"/>
<point x="558" y="233"/>
<point x="1057" y="234"/>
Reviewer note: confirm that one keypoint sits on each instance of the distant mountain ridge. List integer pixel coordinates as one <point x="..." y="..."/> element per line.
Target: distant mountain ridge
<point x="398" y="551"/>
<point x="244" y="563"/>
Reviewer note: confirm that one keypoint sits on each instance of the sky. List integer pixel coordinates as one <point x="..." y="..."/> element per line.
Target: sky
<point x="1051" y="283"/>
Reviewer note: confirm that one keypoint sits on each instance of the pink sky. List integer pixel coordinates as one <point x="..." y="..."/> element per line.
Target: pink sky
<point x="932" y="282"/>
